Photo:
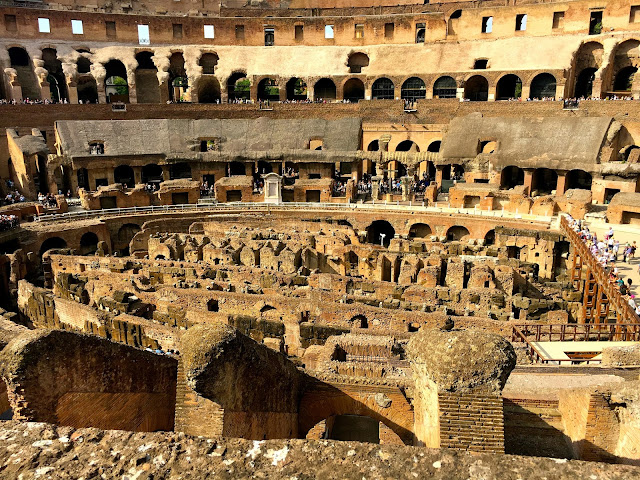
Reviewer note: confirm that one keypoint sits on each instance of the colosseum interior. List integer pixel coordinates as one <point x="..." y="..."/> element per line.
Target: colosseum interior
<point x="319" y="239"/>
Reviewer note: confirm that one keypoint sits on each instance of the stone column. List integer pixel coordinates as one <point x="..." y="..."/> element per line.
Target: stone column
<point x="561" y="186"/>
<point x="458" y="396"/>
<point x="339" y="92"/>
<point x="528" y="180"/>
<point x="526" y="91"/>
<point x="491" y="97"/>
<point x="137" y="175"/>
<point x="368" y="91"/>
<point x="439" y="170"/>
<point x="131" y="80"/>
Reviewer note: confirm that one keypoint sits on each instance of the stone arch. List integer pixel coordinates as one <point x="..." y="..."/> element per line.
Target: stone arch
<point x="458" y="233"/>
<point x="434" y="146"/>
<point x="208" y="62"/>
<point x="626" y="61"/>
<point x="52" y="242"/>
<point x="584" y="83"/>
<point x="407" y="146"/>
<point x="413" y="89"/>
<point x="116" y="84"/>
<point x="146" y="75"/>
<point x="420" y="230"/>
<point x="511" y="177"/>
<point x="124" y="236"/>
<point x="269" y="89"/>
<point x="353" y="90"/>
<point x="476" y="89"/>
<point x="152" y="173"/>
<point x="124" y="174"/>
<point x="296" y="89"/>
<point x="324" y="89"/>
<point x="357" y="61"/>
<point x="208" y="89"/>
<point x="543" y="85"/>
<point x="180" y="170"/>
<point x="589" y="55"/>
<point x="88" y="243"/>
<point x="20" y="61"/>
<point x="490" y="237"/>
<point x="383" y="89"/>
<point x="359" y="321"/>
<point x="373" y="146"/>
<point x="238" y="86"/>
<point x="445" y="87"/>
<point x="56" y="77"/>
<point x="178" y="80"/>
<point x="509" y="86"/>
<point x="378" y="228"/>
<point x="579" y="179"/>
<point x="625" y="152"/>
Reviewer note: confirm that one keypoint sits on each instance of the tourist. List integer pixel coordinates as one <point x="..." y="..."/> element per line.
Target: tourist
<point x="8" y="222"/>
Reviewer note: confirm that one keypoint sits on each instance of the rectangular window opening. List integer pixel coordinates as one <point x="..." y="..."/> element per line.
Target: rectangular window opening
<point x="388" y="30"/>
<point x="43" y="25"/>
<point x="208" y="31"/>
<point x="76" y="27"/>
<point x="177" y="30"/>
<point x="558" y="20"/>
<point x="420" y="32"/>
<point x="521" y="22"/>
<point x="239" y="32"/>
<point x="487" y="24"/>
<point x="269" y="36"/>
<point x="359" y="30"/>
<point x="10" y="23"/>
<point x="111" y="29"/>
<point x="328" y="31"/>
<point x="299" y="32"/>
<point x="143" y="35"/>
<point x="634" y="14"/>
<point x="480" y="64"/>
<point x="595" y="23"/>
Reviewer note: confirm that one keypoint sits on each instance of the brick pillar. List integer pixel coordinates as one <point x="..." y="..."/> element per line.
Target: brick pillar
<point x="439" y="170"/>
<point x="528" y="180"/>
<point x="561" y="186"/>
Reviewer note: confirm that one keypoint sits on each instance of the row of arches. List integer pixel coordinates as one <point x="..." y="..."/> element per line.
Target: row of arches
<point x="545" y="180"/>
<point x="381" y="232"/>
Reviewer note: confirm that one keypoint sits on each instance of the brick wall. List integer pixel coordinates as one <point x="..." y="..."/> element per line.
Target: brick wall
<point x="471" y="422"/>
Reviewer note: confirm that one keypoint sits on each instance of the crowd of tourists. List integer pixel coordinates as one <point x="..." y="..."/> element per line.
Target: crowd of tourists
<point x="8" y="222"/>
<point x="364" y="184"/>
<point x="206" y="190"/>
<point x="49" y="200"/>
<point x="607" y="252"/>
<point x="14" y="197"/>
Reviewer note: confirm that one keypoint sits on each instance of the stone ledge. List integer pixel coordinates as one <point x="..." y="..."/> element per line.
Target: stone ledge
<point x="48" y="451"/>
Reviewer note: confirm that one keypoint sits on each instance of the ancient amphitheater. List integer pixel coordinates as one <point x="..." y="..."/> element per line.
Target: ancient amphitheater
<point x="319" y="239"/>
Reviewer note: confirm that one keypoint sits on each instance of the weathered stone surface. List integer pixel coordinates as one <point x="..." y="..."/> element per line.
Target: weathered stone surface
<point x="616" y="356"/>
<point x="37" y="450"/>
<point x="462" y="360"/>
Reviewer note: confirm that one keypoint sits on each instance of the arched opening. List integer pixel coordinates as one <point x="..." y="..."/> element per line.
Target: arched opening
<point x="84" y="65"/>
<point x="383" y="89"/>
<point x="212" y="305"/>
<point x="56" y="78"/>
<point x="146" y="75"/>
<point x="87" y="89"/>
<point x="208" y="62"/>
<point x="490" y="237"/>
<point x="624" y="80"/>
<point x="419" y="230"/>
<point x="353" y="90"/>
<point x="62" y="175"/>
<point x="413" y="89"/>
<point x="511" y="177"/>
<point x="579" y="179"/>
<point x="152" y="173"/>
<point x="236" y="168"/>
<point x="178" y="81"/>
<point x="434" y="146"/>
<point x="380" y="232"/>
<point x="88" y="243"/>
<point x="452" y="23"/>
<point x="626" y="152"/>
<point x="124" y="237"/>
<point x="359" y="321"/>
<point x="21" y="62"/>
<point x="509" y="87"/>
<point x="238" y="87"/>
<point x="373" y="146"/>
<point x="357" y="61"/>
<point x="268" y="89"/>
<point x="296" y="89"/>
<point x="324" y="89"/>
<point x="543" y="85"/>
<point x="40" y="180"/>
<point x="124" y="174"/>
<point x="397" y="170"/>
<point x="445" y="87"/>
<point x="457" y="233"/>
<point x="53" y="242"/>
<point x="181" y="170"/>
<point x="264" y="167"/>
<point x="584" y="83"/>
<point x="116" y="85"/>
<point x="208" y="90"/>
<point x="476" y="89"/>
<point x="544" y="181"/>
<point x="407" y="146"/>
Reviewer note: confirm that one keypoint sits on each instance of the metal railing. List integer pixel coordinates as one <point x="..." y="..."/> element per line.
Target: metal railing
<point x="233" y="206"/>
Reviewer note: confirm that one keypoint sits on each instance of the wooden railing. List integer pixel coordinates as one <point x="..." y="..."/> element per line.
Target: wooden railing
<point x="577" y="332"/>
<point x="624" y="313"/>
